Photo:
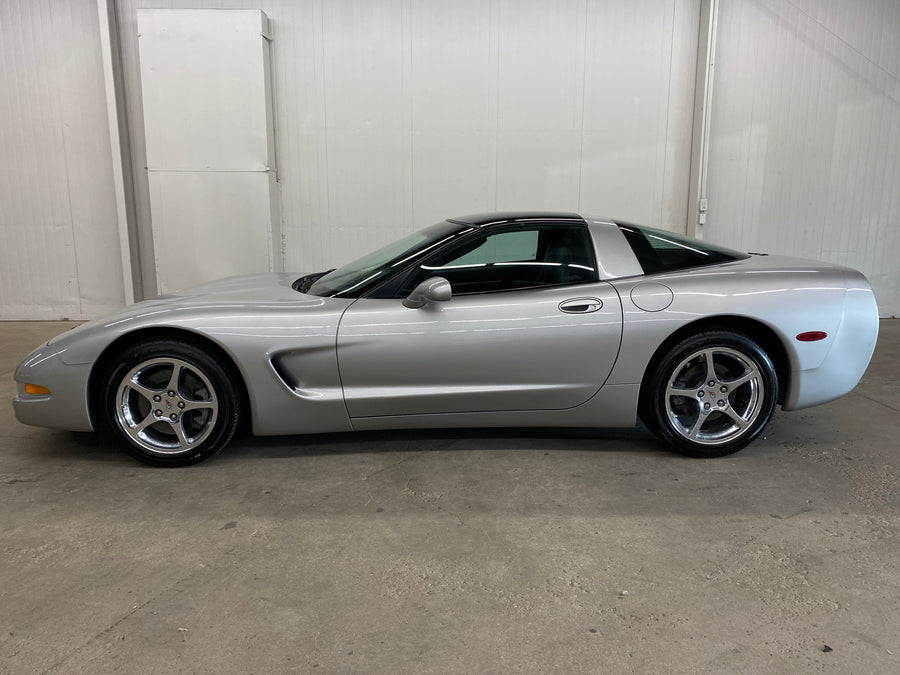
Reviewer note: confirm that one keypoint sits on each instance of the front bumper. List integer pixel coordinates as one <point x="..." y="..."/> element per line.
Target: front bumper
<point x="66" y="406"/>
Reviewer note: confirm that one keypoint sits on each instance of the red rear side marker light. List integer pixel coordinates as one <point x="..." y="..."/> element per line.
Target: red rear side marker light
<point x="812" y="336"/>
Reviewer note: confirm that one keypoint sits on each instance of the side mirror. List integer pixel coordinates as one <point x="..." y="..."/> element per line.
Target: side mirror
<point x="435" y="289"/>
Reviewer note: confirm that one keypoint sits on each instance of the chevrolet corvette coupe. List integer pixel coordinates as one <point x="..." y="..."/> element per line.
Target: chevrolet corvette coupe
<point x="491" y="320"/>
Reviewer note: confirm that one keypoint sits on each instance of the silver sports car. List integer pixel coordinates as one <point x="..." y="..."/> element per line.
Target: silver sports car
<point x="501" y="319"/>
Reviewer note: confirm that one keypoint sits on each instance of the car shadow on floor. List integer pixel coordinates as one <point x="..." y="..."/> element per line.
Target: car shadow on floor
<point x="104" y="447"/>
<point x="445" y="439"/>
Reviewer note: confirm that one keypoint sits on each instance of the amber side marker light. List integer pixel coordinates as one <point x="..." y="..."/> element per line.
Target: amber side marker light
<point x="36" y="389"/>
<point x="812" y="336"/>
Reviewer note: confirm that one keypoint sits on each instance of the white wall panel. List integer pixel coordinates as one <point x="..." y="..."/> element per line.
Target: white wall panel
<point x="208" y="137"/>
<point x="205" y="82"/>
<point x="366" y="125"/>
<point x="452" y="91"/>
<point x="393" y="114"/>
<point x="538" y="170"/>
<point x="641" y="60"/>
<point x="541" y="65"/>
<point x="805" y="134"/>
<point x="452" y="173"/>
<point x="195" y="212"/>
<point x="540" y="97"/>
<point x="366" y="179"/>
<point x="60" y="249"/>
<point x="452" y="46"/>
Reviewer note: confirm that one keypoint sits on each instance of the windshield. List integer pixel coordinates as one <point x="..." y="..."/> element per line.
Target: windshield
<point x="354" y="279"/>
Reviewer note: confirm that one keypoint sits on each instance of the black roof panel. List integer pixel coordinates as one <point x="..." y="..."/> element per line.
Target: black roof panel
<point x="482" y="219"/>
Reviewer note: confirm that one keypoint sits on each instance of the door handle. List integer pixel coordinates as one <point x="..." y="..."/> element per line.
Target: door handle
<point x="580" y="305"/>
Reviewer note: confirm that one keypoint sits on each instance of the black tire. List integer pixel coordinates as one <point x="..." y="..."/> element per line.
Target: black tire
<point x="699" y="419"/>
<point x="170" y="402"/>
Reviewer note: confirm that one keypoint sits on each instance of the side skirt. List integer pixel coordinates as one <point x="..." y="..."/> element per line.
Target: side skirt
<point x="614" y="406"/>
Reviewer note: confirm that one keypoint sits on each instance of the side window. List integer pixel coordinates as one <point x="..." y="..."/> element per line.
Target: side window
<point x="504" y="247"/>
<point x="660" y="251"/>
<point x="510" y="259"/>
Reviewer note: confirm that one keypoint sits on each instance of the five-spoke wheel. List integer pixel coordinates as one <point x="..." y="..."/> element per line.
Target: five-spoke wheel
<point x="170" y="402"/>
<point x="711" y="394"/>
<point x="166" y="405"/>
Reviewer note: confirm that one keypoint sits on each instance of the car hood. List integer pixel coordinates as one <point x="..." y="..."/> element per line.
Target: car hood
<point x="242" y="288"/>
<point x="248" y="290"/>
<point x="250" y="294"/>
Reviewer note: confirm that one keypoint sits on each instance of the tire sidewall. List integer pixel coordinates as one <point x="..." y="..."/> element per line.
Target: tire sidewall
<point x="218" y="376"/>
<point x="655" y="401"/>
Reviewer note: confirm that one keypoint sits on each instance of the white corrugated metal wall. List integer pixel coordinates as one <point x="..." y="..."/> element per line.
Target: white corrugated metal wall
<point x="59" y="240"/>
<point x="393" y="114"/>
<point x="805" y="134"/>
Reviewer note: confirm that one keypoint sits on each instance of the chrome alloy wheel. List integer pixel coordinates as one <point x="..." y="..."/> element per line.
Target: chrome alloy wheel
<point x="714" y="396"/>
<point x="166" y="406"/>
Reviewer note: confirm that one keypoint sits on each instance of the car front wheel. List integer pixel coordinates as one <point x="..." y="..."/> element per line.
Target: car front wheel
<point x="170" y="402"/>
<point x="711" y="394"/>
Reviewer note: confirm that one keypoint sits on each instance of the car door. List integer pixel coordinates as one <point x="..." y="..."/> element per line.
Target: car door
<point x="529" y="327"/>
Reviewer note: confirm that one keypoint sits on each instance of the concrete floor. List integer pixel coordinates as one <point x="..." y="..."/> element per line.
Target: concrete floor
<point x="500" y="551"/>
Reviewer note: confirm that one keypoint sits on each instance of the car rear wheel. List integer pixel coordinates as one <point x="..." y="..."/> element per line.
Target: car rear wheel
<point x="711" y="394"/>
<point x="171" y="403"/>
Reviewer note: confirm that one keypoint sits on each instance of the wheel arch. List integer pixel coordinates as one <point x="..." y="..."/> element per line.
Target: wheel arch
<point x="106" y="358"/>
<point x="756" y="330"/>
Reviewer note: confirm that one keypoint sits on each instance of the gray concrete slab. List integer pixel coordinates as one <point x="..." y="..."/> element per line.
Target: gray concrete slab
<point x="435" y="552"/>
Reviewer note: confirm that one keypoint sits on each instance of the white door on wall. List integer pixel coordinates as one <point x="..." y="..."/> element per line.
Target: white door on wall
<point x="210" y="144"/>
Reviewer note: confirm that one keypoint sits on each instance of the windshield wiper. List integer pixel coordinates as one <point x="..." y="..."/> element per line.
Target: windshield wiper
<point x="303" y="284"/>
